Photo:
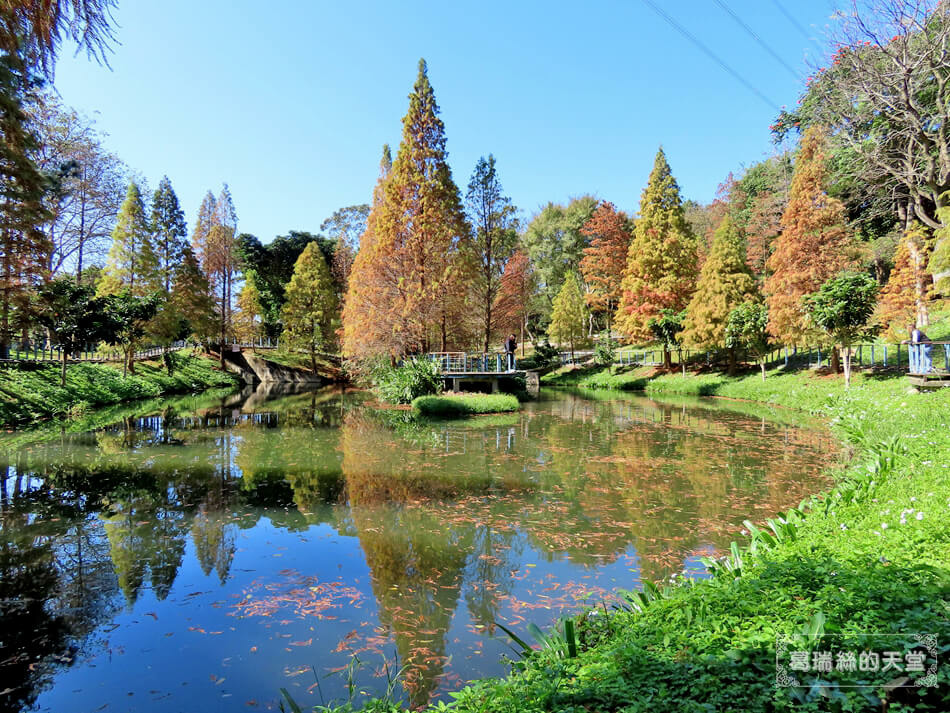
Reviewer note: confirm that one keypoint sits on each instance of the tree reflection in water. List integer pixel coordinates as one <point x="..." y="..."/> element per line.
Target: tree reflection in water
<point x="516" y="516"/>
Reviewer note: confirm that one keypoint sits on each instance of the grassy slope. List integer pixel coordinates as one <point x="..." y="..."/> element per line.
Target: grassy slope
<point x="710" y="645"/>
<point x="456" y="404"/>
<point x="31" y="393"/>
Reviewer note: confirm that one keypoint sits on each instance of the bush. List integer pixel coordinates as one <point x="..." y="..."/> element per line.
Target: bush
<point x="605" y="351"/>
<point x="413" y="378"/>
<point x="463" y="404"/>
<point x="544" y="355"/>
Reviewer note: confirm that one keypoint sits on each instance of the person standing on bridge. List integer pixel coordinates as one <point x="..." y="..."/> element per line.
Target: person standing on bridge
<point x="510" y="345"/>
<point x="921" y="351"/>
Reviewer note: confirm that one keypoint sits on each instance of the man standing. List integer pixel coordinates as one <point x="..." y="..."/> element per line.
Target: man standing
<point x="920" y="351"/>
<point x="510" y="345"/>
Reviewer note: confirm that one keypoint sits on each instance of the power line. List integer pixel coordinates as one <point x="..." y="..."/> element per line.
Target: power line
<point x="793" y="21"/>
<point x="762" y="43"/>
<point x="738" y="77"/>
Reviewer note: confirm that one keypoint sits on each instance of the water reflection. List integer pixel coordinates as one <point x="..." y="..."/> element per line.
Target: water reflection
<point x="306" y="527"/>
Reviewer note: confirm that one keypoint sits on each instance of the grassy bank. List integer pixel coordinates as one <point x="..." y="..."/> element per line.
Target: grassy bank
<point x="865" y="566"/>
<point x="465" y="404"/>
<point x="32" y="392"/>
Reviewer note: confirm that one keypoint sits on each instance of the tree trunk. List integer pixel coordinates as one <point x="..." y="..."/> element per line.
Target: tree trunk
<point x="731" y="370"/>
<point x="313" y="360"/>
<point x="667" y="359"/>
<point x="847" y="367"/>
<point x="62" y="379"/>
<point x="762" y="366"/>
<point x="835" y="359"/>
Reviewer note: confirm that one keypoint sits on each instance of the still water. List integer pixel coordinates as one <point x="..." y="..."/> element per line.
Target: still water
<point x="201" y="553"/>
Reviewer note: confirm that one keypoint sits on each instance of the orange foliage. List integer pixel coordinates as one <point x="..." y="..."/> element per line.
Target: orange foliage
<point x="605" y="258"/>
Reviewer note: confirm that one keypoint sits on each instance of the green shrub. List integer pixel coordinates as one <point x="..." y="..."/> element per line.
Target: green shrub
<point x="413" y="378"/>
<point x="605" y="350"/>
<point x="463" y="404"/>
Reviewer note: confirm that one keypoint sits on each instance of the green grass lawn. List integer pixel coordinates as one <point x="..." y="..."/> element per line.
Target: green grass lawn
<point x="458" y="404"/>
<point x="862" y="566"/>
<point x="32" y="392"/>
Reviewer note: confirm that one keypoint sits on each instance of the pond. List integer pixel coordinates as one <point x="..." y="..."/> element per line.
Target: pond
<point x="203" y="552"/>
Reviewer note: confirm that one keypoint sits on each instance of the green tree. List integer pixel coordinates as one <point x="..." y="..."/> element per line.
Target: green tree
<point x="24" y="248"/>
<point x="724" y="282"/>
<point x="842" y="308"/>
<point x="169" y="231"/>
<point x="271" y="266"/>
<point x="662" y="260"/>
<point x="495" y="238"/>
<point x="130" y="315"/>
<point x="74" y="316"/>
<point x="131" y="264"/>
<point x="665" y="328"/>
<point x="939" y="265"/>
<point x="311" y="305"/>
<point x="191" y="300"/>
<point x="747" y="329"/>
<point x="247" y="317"/>
<point x="569" y="314"/>
<point x="554" y="241"/>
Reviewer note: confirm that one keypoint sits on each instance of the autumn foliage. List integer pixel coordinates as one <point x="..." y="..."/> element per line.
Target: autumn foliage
<point x="813" y="245"/>
<point x="605" y="259"/>
<point x="661" y="261"/>
<point x="904" y="299"/>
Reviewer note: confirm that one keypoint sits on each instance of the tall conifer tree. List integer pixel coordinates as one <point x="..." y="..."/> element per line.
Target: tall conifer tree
<point x="420" y="223"/>
<point x="169" y="230"/>
<point x="812" y="247"/>
<point x="310" y="309"/>
<point x="605" y="259"/>
<point x="661" y="262"/>
<point x="131" y="263"/>
<point x="369" y="290"/>
<point x="725" y="282"/>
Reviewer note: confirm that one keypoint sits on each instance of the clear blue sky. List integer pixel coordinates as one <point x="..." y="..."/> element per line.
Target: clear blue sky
<point x="290" y="101"/>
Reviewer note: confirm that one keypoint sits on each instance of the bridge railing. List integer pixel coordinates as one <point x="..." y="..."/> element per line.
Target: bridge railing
<point x="470" y="363"/>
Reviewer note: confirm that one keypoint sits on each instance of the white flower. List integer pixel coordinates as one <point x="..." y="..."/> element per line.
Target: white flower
<point x="843" y="526"/>
<point x="920" y="516"/>
<point x="883" y="525"/>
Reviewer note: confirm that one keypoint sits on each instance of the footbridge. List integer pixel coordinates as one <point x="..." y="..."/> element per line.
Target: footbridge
<point x="483" y="368"/>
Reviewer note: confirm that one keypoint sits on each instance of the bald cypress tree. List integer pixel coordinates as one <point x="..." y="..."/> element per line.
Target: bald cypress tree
<point x="131" y="263"/>
<point x="420" y="225"/>
<point x="724" y="283"/>
<point x="662" y="259"/>
<point x="310" y="309"/>
<point x="812" y="247"/>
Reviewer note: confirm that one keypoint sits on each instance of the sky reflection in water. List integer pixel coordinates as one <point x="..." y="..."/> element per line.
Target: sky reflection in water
<point x="200" y="553"/>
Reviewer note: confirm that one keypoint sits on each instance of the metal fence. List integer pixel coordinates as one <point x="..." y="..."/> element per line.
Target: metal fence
<point x="36" y="350"/>
<point x="465" y="363"/>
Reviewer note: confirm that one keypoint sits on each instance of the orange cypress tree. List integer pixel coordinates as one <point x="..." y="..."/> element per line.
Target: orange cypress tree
<point x="661" y="262"/>
<point x="368" y="291"/>
<point x="417" y="230"/>
<point x="904" y="299"/>
<point x="812" y="247"/>
<point x="514" y="295"/>
<point x="605" y="258"/>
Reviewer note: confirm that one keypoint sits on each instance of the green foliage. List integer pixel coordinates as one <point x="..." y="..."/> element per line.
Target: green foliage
<point x="464" y="404"/>
<point x="666" y="327"/>
<point x="555" y="243"/>
<point x="131" y="264"/>
<point x="843" y="306"/>
<point x="31" y="392"/>
<point x="569" y="316"/>
<point x="271" y="266"/>
<point x="413" y="378"/>
<point x="168" y="227"/>
<point x="747" y="329"/>
<point x="310" y="309"/>
<point x="940" y="258"/>
<point x="606" y="350"/>
<point x="545" y="355"/>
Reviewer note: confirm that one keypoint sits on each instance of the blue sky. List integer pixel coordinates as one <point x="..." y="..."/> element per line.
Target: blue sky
<point x="291" y="101"/>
